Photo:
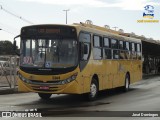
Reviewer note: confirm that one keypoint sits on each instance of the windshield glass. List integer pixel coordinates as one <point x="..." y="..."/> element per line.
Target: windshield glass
<point x="49" y="53"/>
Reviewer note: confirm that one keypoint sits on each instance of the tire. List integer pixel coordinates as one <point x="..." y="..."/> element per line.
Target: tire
<point x="44" y="96"/>
<point x="92" y="95"/>
<point x="127" y="83"/>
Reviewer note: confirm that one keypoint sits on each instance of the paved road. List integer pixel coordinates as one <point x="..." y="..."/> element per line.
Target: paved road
<point x="143" y="96"/>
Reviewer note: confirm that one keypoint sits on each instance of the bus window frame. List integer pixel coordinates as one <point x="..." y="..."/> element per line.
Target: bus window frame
<point x="98" y="47"/>
<point x="115" y="49"/>
<point x="79" y="49"/>
<point x="107" y="47"/>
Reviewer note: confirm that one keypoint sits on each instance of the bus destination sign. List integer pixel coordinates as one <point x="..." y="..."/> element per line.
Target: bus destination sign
<point x="49" y="31"/>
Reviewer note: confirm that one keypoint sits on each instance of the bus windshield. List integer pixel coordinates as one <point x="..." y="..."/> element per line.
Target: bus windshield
<point x="49" y="53"/>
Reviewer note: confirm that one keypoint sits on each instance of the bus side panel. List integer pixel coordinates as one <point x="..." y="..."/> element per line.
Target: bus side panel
<point x="107" y="81"/>
<point x="123" y="68"/>
<point x="114" y="73"/>
<point x="136" y="71"/>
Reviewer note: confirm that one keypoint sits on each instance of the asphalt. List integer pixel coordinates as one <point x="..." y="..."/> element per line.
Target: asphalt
<point x="144" y="96"/>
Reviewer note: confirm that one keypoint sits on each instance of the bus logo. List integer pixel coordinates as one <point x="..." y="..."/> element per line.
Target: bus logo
<point x="149" y="12"/>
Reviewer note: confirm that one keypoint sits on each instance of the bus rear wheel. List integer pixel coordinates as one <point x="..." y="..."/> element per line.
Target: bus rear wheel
<point x="44" y="96"/>
<point x="92" y="95"/>
<point x="127" y="83"/>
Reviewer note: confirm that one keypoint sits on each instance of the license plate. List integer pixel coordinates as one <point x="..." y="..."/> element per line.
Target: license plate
<point x="44" y="87"/>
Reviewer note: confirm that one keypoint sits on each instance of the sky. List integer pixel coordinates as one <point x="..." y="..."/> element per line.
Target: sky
<point x="115" y="13"/>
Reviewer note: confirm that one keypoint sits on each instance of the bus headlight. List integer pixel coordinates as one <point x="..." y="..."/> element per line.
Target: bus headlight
<point x="23" y="78"/>
<point x="60" y="82"/>
<point x="70" y="79"/>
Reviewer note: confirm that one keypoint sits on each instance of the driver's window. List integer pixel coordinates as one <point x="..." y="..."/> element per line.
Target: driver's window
<point x="84" y="46"/>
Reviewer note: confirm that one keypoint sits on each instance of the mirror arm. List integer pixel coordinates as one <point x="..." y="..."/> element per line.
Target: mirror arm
<point x="14" y="45"/>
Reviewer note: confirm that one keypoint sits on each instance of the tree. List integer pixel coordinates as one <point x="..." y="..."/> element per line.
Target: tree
<point x="6" y="48"/>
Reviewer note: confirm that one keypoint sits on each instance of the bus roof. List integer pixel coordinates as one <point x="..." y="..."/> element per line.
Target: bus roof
<point x="96" y="30"/>
<point x="106" y="32"/>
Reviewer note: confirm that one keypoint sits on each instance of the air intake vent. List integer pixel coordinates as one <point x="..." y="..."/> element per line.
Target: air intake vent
<point x="107" y="26"/>
<point x="121" y="30"/>
<point x="89" y="22"/>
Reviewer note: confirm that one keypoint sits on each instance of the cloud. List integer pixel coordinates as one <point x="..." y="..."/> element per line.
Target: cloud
<point x="123" y="4"/>
<point x="134" y="4"/>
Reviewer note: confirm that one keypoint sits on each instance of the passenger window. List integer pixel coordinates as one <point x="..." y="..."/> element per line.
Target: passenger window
<point x="107" y="54"/>
<point x="127" y="46"/>
<point x="132" y="47"/>
<point x="138" y="48"/>
<point x="106" y="42"/>
<point x="97" y="41"/>
<point x="115" y="54"/>
<point x="97" y="53"/>
<point x="133" y="51"/>
<point x="114" y="44"/>
<point x="121" y="45"/>
<point x="139" y="51"/>
<point x="122" y="54"/>
<point x="97" y="50"/>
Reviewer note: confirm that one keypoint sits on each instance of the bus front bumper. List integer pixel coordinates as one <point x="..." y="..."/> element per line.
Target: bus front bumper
<point x="70" y="88"/>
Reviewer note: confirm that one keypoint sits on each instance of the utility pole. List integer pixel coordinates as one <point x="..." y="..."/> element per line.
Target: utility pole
<point x="66" y="14"/>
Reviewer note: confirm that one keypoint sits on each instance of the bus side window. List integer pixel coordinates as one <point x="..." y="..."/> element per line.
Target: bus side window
<point x="97" y="47"/>
<point x="107" y="53"/>
<point x="133" y="50"/>
<point x="84" y="50"/>
<point x="139" y="51"/>
<point x="115" y="54"/>
<point x="121" y="45"/>
<point x="121" y="48"/>
<point x="126" y="50"/>
<point x="127" y="46"/>
<point x="106" y="43"/>
<point x="114" y="44"/>
<point x="84" y="46"/>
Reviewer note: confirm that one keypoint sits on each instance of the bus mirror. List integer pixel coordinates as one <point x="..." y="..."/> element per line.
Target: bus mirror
<point x="85" y="49"/>
<point x="15" y="45"/>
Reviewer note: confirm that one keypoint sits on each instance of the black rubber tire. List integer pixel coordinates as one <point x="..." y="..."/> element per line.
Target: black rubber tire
<point x="125" y="88"/>
<point x="92" y="95"/>
<point x="44" y="96"/>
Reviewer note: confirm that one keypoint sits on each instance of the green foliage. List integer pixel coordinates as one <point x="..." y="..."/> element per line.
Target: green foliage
<point x="6" y="48"/>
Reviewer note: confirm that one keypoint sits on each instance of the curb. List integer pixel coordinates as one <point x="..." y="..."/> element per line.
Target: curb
<point x="4" y="90"/>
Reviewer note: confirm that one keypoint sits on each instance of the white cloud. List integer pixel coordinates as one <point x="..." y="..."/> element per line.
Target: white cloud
<point x="134" y="4"/>
<point x="123" y="4"/>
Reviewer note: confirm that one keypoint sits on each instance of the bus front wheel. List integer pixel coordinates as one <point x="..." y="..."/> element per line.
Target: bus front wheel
<point x="92" y="95"/>
<point x="44" y="96"/>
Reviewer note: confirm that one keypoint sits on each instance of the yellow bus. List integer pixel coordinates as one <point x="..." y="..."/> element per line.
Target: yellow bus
<point x="76" y="59"/>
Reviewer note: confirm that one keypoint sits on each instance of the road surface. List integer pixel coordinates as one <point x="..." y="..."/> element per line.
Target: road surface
<point x="143" y="96"/>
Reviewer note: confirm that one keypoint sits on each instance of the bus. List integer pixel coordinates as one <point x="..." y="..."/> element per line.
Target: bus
<point x="76" y="59"/>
